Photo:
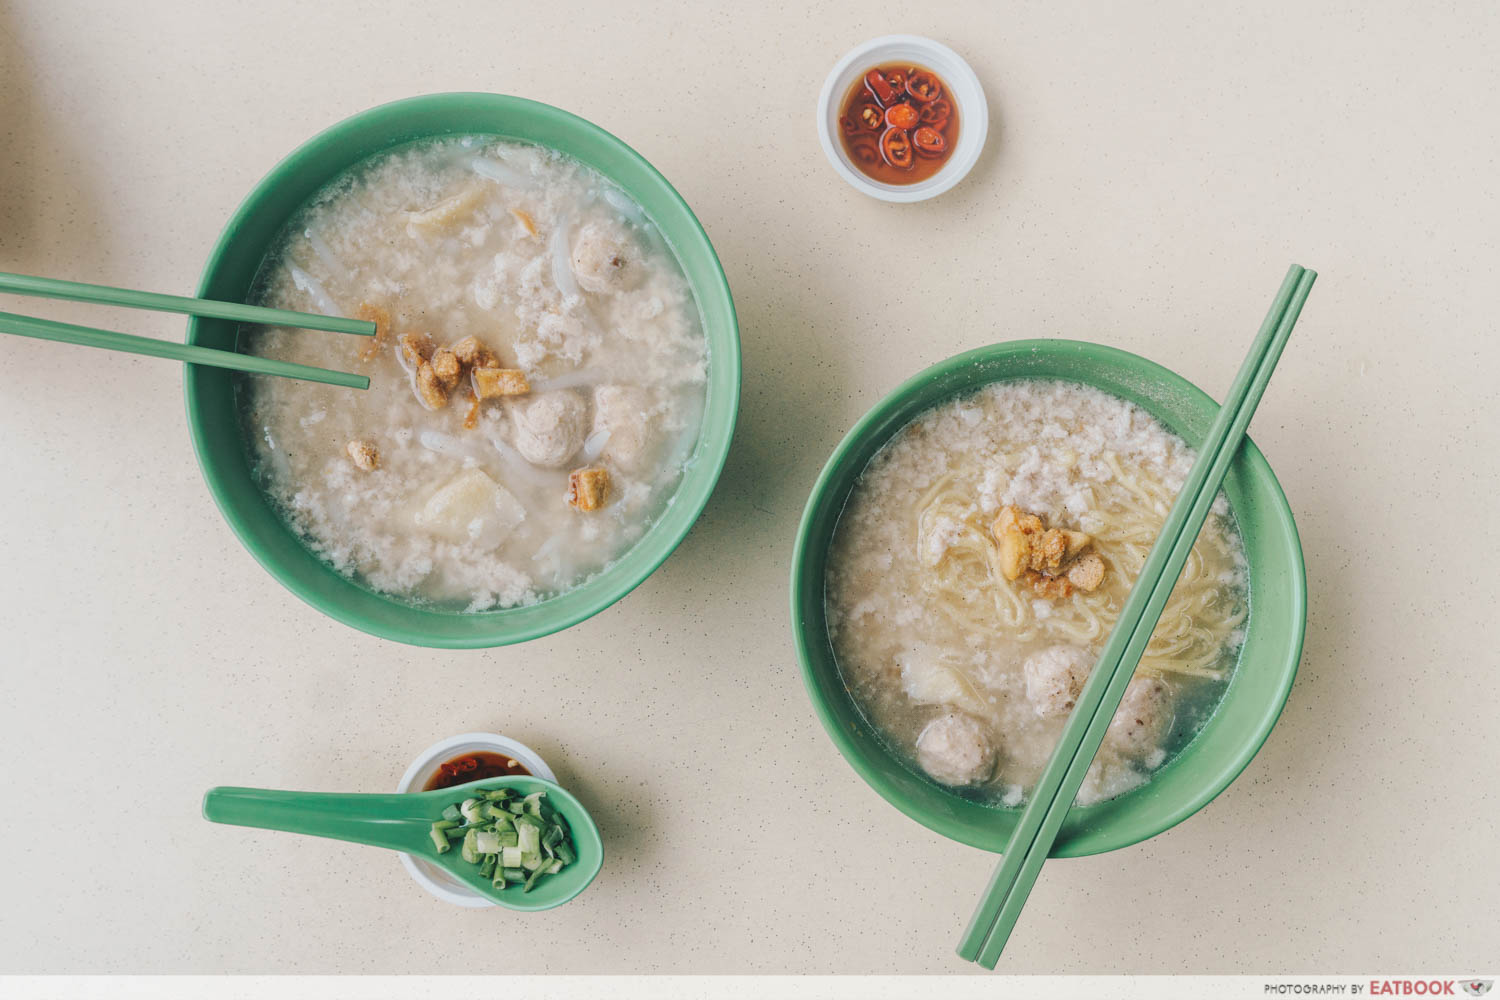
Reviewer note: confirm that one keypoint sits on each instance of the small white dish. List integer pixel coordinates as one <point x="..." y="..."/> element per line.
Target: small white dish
<point x="433" y="879"/>
<point x="965" y="93"/>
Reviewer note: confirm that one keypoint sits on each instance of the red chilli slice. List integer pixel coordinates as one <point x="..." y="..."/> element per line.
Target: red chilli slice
<point x="895" y="147"/>
<point x="923" y="86"/>
<point x="901" y="116"/>
<point x="875" y="82"/>
<point x="929" y="141"/>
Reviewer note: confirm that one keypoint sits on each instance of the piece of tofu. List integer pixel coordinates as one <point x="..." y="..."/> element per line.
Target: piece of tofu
<point x="473" y="509"/>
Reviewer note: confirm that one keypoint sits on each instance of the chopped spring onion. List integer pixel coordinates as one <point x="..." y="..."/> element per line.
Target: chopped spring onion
<point x="513" y="841"/>
<point x="470" y="850"/>
<point x="440" y="834"/>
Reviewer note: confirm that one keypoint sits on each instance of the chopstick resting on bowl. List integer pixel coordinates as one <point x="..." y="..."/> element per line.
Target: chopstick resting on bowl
<point x="1032" y="840"/>
<point x="87" y="336"/>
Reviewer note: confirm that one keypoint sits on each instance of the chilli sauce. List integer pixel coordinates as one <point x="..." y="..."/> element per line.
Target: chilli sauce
<point x="468" y="767"/>
<point x="898" y="123"/>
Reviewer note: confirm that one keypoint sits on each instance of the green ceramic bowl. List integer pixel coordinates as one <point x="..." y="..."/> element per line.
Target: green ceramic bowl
<point x="1257" y="690"/>
<point x="214" y="421"/>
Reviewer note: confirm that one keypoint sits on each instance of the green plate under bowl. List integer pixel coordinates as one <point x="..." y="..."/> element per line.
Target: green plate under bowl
<point x="215" y="424"/>
<point x="1257" y="690"/>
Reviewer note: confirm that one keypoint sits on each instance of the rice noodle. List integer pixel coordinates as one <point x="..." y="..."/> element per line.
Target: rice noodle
<point x="562" y="261"/>
<point x="307" y="283"/>
<point x="446" y="444"/>
<point x="516" y="464"/>
<point x="326" y="255"/>
<point x="620" y="202"/>
<point x="500" y="173"/>
<point x="594" y="444"/>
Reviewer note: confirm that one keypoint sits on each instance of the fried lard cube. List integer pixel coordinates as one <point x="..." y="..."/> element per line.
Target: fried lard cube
<point x="364" y="455"/>
<point x="1053" y="561"/>
<point x="472" y="353"/>
<point x="492" y="382"/>
<point x="447" y="368"/>
<point x="588" y="489"/>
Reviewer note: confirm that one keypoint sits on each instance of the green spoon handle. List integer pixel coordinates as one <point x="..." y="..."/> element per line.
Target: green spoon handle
<point x="394" y="821"/>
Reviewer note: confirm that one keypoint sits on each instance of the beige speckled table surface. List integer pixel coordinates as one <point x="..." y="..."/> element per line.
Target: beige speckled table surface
<point x="1151" y="171"/>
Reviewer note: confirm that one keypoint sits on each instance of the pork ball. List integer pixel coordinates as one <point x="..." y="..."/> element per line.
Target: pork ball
<point x="624" y="412"/>
<point x="957" y="749"/>
<point x="603" y="260"/>
<point x="1139" y="725"/>
<point x="1054" y="678"/>
<point x="550" y="428"/>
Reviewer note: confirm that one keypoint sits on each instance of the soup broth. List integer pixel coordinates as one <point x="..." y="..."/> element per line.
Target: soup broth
<point x="536" y="385"/>
<point x="979" y="565"/>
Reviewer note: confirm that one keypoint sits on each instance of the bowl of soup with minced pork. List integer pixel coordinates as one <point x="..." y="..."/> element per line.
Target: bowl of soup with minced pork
<point x="553" y="377"/>
<point x="967" y="550"/>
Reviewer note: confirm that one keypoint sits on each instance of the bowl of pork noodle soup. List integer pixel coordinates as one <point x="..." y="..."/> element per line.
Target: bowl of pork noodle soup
<point x="553" y="380"/>
<point x="964" y="556"/>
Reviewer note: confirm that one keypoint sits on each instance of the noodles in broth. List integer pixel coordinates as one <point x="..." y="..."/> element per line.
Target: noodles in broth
<point x="969" y="673"/>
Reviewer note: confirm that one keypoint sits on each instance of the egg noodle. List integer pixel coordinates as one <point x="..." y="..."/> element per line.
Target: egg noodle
<point x="965" y="583"/>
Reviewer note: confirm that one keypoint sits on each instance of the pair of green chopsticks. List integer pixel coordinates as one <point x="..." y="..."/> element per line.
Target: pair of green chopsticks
<point x="46" y="329"/>
<point x="1032" y="840"/>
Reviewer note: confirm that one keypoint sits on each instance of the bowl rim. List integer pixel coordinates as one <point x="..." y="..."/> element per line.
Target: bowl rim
<point x="973" y="105"/>
<point x="1279" y="511"/>
<point x="426" y="114"/>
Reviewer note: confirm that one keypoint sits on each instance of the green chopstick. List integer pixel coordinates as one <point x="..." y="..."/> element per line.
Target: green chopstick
<point x="1037" y="829"/>
<point x="87" y="336"/>
<point x="77" y="291"/>
<point x="67" y="333"/>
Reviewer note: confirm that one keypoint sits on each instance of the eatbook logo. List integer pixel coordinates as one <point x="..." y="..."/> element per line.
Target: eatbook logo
<point x="1477" y="987"/>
